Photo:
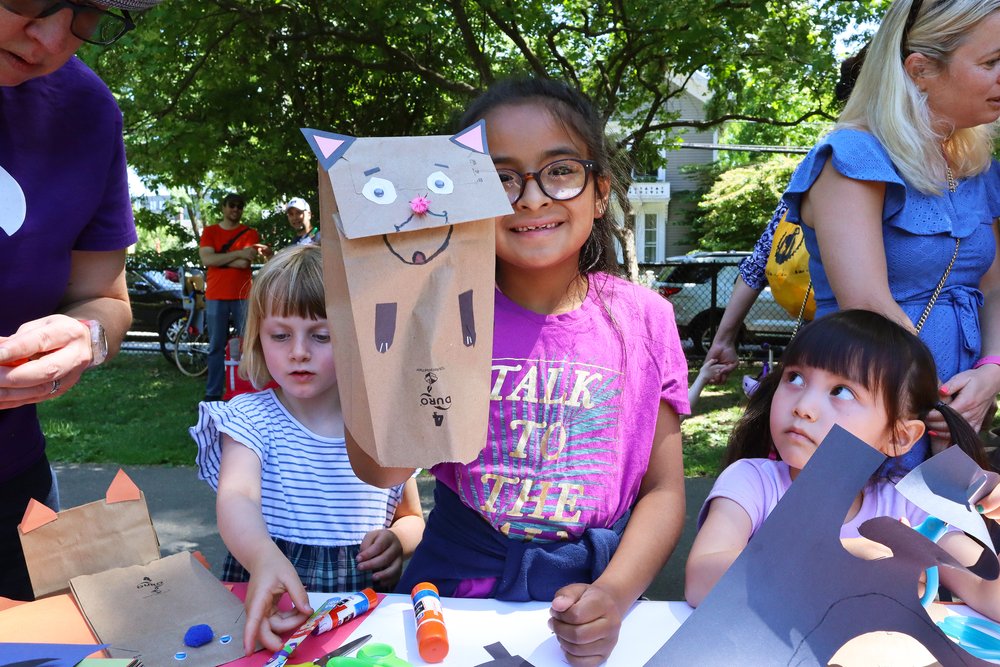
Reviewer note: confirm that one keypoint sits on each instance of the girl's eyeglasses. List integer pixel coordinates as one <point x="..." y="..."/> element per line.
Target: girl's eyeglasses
<point x="91" y="24"/>
<point x="560" y="180"/>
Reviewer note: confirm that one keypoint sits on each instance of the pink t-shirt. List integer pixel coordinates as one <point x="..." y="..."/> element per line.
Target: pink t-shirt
<point x="573" y="408"/>
<point x="757" y="485"/>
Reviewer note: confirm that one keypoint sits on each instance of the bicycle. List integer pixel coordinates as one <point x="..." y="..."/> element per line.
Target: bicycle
<point x="190" y="333"/>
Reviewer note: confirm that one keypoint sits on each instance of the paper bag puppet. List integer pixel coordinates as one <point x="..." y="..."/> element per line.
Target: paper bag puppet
<point x="143" y="611"/>
<point x="408" y="247"/>
<point x="114" y="532"/>
<point x="795" y="595"/>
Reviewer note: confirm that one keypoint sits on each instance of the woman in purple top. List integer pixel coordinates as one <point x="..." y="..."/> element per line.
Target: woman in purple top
<point x="65" y="222"/>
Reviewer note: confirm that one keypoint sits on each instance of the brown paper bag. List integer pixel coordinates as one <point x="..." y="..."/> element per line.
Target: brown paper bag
<point x="113" y="532"/>
<point x="143" y="611"/>
<point x="408" y="258"/>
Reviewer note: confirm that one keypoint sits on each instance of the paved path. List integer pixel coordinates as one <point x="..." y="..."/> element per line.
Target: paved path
<point x="183" y="511"/>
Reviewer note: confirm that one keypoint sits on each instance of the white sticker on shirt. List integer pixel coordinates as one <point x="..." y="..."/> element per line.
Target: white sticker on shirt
<point x="12" y="204"/>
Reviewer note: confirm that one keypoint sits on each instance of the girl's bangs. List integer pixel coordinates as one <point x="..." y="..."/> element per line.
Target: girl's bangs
<point x="858" y="354"/>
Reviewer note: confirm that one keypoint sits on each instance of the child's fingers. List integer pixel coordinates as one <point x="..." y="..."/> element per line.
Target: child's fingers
<point x="588" y="629"/>
<point x="299" y="597"/>
<point x="564" y="599"/>
<point x="255" y="618"/>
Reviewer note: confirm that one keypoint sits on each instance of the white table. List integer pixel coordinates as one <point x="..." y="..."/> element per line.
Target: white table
<point x="522" y="628"/>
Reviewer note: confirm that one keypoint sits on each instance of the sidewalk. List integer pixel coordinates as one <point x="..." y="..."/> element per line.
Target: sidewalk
<point x="183" y="511"/>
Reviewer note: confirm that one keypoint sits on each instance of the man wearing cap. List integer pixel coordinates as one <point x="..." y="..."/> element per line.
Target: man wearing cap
<point x="300" y="220"/>
<point x="65" y="224"/>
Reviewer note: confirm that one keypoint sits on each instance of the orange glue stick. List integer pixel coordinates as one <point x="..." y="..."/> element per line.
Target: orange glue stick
<point x="432" y="638"/>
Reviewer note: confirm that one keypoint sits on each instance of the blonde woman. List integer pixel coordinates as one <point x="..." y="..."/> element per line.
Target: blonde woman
<point x="899" y="202"/>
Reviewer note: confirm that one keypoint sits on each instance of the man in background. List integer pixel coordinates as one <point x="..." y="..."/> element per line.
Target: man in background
<point x="300" y="220"/>
<point x="227" y="250"/>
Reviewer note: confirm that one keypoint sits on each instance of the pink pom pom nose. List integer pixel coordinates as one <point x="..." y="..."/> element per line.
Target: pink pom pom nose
<point x="420" y="204"/>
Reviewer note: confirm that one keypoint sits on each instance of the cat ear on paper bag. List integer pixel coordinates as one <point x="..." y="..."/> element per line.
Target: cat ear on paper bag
<point x="36" y="515"/>
<point x="328" y="146"/>
<point x="473" y="138"/>
<point x="121" y="489"/>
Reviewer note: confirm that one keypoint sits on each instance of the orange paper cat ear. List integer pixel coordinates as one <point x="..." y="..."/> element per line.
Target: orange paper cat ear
<point x="36" y="515"/>
<point x="122" y="488"/>
<point x="473" y="138"/>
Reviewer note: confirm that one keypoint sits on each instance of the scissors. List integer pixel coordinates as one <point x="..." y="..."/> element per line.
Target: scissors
<point x="375" y="655"/>
<point x="325" y="660"/>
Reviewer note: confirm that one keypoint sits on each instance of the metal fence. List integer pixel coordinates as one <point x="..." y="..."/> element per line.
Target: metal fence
<point x="700" y="285"/>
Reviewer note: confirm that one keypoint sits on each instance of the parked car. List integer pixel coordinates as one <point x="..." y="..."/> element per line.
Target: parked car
<point x="688" y="280"/>
<point x="156" y="304"/>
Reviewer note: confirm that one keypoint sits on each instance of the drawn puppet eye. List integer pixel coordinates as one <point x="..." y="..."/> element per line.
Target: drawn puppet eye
<point x="379" y="190"/>
<point x="440" y="184"/>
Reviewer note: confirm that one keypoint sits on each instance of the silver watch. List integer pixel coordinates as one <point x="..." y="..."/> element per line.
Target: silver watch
<point x="98" y="342"/>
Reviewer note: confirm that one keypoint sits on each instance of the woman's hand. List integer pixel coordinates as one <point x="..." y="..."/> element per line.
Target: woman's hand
<point x="42" y="360"/>
<point x="969" y="393"/>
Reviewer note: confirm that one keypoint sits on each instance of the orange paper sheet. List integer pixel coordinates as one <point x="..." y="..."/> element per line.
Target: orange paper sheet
<point x="52" y="620"/>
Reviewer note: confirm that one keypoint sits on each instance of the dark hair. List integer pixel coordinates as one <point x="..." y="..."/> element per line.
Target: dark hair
<point x="233" y="197"/>
<point x="871" y="350"/>
<point x="571" y="107"/>
<point x="849" y="71"/>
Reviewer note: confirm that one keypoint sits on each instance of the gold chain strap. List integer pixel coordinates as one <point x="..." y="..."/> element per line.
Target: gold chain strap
<point x="923" y="316"/>
<point x="937" y="290"/>
<point x="802" y="309"/>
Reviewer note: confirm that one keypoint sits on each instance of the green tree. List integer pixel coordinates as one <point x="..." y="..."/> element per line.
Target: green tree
<point x="214" y="92"/>
<point x="740" y="202"/>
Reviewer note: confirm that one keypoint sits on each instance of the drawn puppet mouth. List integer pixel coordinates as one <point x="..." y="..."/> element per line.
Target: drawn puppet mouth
<point x="397" y="242"/>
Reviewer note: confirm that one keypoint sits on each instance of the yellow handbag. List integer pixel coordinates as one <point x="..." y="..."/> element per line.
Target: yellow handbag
<point x="787" y="271"/>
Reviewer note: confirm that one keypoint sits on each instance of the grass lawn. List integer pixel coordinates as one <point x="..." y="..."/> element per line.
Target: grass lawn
<point x="136" y="409"/>
<point x="133" y="410"/>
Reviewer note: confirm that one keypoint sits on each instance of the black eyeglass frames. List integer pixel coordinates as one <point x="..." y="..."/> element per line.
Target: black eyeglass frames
<point x="560" y="180"/>
<point x="91" y="24"/>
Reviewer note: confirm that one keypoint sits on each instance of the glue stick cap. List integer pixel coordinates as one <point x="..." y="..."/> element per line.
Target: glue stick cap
<point x="432" y="638"/>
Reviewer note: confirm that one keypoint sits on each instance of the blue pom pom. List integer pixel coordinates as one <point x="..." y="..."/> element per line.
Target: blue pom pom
<point x="198" y="635"/>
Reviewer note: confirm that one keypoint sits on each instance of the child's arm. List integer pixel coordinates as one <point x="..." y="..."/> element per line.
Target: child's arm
<point x="242" y="527"/>
<point x="719" y="542"/>
<point x="978" y="593"/>
<point x="587" y="618"/>
<point x="385" y="549"/>
<point x="710" y="372"/>
<point x="369" y="471"/>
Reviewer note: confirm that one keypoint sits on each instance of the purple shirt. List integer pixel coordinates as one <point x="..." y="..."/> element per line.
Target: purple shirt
<point x="63" y="187"/>
<point x="757" y="485"/>
<point x="574" y="404"/>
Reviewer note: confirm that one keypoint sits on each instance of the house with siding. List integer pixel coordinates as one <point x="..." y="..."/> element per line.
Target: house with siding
<point x="658" y="212"/>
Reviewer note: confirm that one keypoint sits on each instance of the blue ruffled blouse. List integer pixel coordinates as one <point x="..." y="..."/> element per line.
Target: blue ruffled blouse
<point x="919" y="232"/>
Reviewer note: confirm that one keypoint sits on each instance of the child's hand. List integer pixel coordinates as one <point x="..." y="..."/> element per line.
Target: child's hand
<point x="866" y="549"/>
<point x="272" y="577"/>
<point x="989" y="505"/>
<point x="713" y="371"/>
<point x="586" y="621"/>
<point x="381" y="553"/>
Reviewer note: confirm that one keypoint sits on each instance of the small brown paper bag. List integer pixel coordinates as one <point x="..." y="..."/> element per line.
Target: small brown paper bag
<point x="113" y="532"/>
<point x="143" y="611"/>
<point x="408" y="260"/>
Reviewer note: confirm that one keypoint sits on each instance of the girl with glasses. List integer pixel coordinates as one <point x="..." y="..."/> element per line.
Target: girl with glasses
<point x="899" y="203"/>
<point x="65" y="223"/>
<point x="577" y="497"/>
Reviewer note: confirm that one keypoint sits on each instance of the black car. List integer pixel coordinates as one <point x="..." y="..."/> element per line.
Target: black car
<point x="156" y="303"/>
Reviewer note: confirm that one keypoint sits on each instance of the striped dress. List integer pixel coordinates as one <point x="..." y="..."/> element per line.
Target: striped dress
<point x="314" y="506"/>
